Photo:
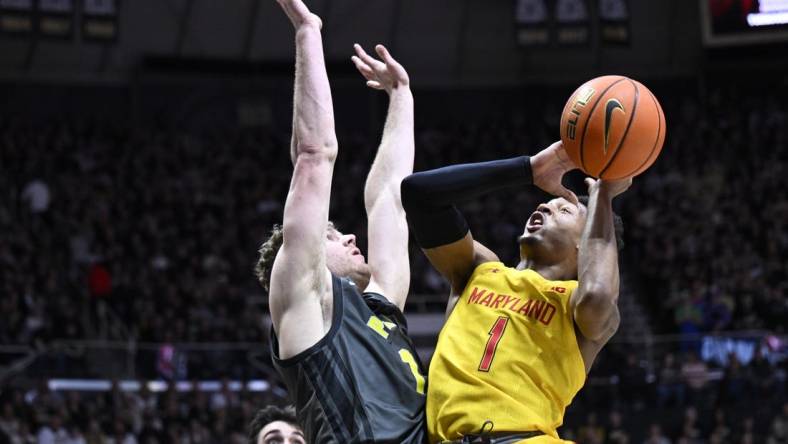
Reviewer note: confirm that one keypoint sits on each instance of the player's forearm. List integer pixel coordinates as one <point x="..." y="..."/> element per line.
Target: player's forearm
<point x="459" y="183"/>
<point x="313" y="151"/>
<point x="394" y="159"/>
<point x="313" y="114"/>
<point x="598" y="254"/>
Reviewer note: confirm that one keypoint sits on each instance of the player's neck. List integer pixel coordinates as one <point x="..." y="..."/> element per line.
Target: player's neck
<point x="561" y="271"/>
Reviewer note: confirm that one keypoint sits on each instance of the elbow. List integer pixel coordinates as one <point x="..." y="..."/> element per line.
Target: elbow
<point x="597" y="298"/>
<point x="596" y="315"/>
<point x="325" y="150"/>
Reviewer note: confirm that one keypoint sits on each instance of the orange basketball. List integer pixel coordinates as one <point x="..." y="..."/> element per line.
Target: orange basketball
<point x="613" y="127"/>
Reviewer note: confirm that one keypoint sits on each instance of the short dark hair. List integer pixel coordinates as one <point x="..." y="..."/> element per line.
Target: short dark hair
<point x="268" y="251"/>
<point x="269" y="414"/>
<point x="618" y="224"/>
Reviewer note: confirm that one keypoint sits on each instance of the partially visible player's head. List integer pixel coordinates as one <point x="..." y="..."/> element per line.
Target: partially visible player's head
<point x="343" y="257"/>
<point x="276" y="425"/>
<point x="552" y="233"/>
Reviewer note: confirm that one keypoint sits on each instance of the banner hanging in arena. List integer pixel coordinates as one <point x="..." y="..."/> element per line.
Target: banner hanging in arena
<point x="614" y="22"/>
<point x="531" y="19"/>
<point x="16" y="17"/>
<point x="100" y="20"/>
<point x="55" y="19"/>
<point x="572" y="22"/>
<point x="744" y="22"/>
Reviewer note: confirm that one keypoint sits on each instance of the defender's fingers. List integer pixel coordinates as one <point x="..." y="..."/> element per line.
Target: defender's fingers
<point x="363" y="68"/>
<point x="385" y="55"/>
<point x="374" y="84"/>
<point x="366" y="58"/>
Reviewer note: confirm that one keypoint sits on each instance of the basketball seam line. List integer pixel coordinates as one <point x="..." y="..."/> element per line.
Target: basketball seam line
<point x="590" y="113"/>
<point x="659" y="130"/>
<point x="626" y="131"/>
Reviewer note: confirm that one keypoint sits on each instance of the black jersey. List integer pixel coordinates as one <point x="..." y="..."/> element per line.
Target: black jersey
<point x="362" y="382"/>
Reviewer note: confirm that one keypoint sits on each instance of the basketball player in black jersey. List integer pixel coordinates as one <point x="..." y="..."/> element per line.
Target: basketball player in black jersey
<point x="339" y="337"/>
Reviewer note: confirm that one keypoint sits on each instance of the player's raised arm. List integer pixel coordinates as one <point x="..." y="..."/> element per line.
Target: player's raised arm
<point x="388" y="228"/>
<point x="595" y="302"/>
<point x="430" y="197"/>
<point x="299" y="277"/>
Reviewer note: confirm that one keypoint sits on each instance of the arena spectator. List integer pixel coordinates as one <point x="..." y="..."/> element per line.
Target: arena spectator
<point x="735" y="382"/>
<point x="616" y="433"/>
<point x="695" y="374"/>
<point x="670" y="387"/>
<point x="591" y="432"/>
<point x="655" y="435"/>
<point x="53" y="431"/>
<point x="778" y="433"/>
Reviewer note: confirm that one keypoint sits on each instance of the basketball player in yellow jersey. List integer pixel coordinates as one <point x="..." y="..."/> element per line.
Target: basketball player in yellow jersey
<point x="518" y="342"/>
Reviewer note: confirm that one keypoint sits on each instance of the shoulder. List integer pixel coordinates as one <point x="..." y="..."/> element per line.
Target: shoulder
<point x="493" y="267"/>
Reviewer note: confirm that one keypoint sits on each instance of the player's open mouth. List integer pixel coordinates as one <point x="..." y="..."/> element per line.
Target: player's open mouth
<point x="535" y="222"/>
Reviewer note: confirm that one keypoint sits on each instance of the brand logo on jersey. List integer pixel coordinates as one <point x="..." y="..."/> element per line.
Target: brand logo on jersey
<point x="541" y="311"/>
<point x="610" y="106"/>
<point x="561" y="290"/>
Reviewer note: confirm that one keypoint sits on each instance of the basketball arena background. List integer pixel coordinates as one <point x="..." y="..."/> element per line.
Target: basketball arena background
<point x="143" y="158"/>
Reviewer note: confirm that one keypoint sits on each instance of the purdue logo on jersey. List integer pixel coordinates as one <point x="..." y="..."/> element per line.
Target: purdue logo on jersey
<point x="383" y="328"/>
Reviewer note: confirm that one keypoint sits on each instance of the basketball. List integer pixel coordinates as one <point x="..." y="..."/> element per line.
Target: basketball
<point x="613" y="127"/>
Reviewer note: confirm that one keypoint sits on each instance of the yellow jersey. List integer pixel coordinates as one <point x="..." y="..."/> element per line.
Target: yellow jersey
<point x="507" y="355"/>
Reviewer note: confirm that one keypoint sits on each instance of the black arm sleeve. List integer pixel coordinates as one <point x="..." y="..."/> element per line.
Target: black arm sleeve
<point x="429" y="197"/>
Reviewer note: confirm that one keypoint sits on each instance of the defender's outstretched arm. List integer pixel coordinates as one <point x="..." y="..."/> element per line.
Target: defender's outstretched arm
<point x="299" y="278"/>
<point x="388" y="227"/>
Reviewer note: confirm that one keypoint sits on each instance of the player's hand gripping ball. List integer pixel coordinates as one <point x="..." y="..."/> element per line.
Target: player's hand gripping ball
<point x="613" y="127"/>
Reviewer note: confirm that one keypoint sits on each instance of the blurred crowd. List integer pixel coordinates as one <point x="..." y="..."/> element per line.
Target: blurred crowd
<point x="44" y="416"/>
<point x="682" y="400"/>
<point x="709" y="224"/>
<point x="109" y="232"/>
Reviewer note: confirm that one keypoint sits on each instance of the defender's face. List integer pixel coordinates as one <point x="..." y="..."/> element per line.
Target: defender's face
<point x="555" y="224"/>
<point x="280" y="432"/>
<point x="343" y="256"/>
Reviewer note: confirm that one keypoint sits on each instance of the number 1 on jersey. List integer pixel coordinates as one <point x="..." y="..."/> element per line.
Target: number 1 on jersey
<point x="496" y="332"/>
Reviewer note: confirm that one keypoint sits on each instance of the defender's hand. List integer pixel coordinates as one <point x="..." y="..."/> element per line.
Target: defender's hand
<point x="387" y="74"/>
<point x="548" y="168"/>
<point x="608" y="188"/>
<point x="299" y="14"/>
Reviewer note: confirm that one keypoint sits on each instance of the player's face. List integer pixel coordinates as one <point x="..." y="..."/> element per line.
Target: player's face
<point x="555" y="226"/>
<point x="344" y="258"/>
<point x="280" y="432"/>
